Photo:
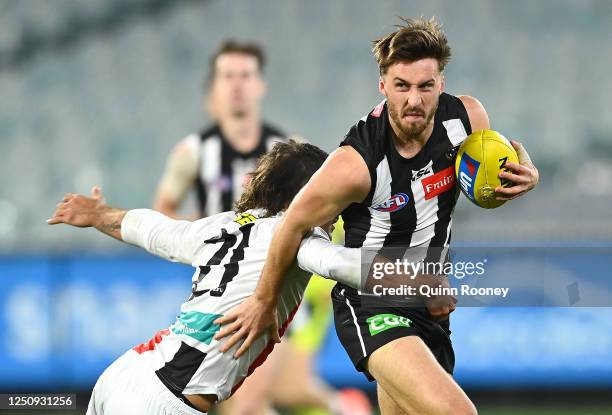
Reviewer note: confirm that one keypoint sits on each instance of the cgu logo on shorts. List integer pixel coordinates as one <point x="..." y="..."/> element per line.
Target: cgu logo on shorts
<point x="468" y="169"/>
<point x="393" y="204"/>
<point x="439" y="183"/>
<point x="381" y="322"/>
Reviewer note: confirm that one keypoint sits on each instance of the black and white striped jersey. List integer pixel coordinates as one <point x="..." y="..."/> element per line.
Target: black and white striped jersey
<point x="222" y="170"/>
<point x="411" y="201"/>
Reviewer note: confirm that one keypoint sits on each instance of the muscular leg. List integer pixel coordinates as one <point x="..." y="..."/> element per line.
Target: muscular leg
<point x="408" y="372"/>
<point x="388" y="406"/>
<point x="297" y="385"/>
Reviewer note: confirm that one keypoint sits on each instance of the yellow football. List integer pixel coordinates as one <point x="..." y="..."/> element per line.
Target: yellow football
<point x="481" y="157"/>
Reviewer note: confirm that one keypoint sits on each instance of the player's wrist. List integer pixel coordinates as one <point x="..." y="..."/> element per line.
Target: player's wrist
<point x="101" y="215"/>
<point x="108" y="220"/>
<point x="268" y="300"/>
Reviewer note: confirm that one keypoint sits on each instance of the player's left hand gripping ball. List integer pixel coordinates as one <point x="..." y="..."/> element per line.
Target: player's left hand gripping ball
<point x="524" y="175"/>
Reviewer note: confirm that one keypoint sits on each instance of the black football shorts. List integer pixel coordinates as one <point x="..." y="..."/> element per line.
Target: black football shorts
<point x="365" y="325"/>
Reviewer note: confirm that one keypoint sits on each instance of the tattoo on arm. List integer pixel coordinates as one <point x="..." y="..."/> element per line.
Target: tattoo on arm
<point x="110" y="222"/>
<point x="109" y="227"/>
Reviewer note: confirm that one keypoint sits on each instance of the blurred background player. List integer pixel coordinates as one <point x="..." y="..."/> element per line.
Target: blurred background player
<point x="216" y="163"/>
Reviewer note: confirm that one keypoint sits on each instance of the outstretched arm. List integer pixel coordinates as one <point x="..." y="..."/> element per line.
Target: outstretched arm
<point x="89" y="212"/>
<point x="170" y="239"/>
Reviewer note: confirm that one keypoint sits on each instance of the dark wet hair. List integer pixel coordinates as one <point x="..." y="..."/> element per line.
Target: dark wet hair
<point x="414" y="40"/>
<point x="279" y="176"/>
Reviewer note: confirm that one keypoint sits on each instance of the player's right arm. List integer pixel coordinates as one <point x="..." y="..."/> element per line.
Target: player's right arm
<point x="343" y="179"/>
<point x="318" y="255"/>
<point x="179" y="175"/>
<point x="174" y="240"/>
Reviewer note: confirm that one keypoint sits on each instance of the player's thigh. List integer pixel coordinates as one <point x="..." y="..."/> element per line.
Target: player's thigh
<point x="297" y="383"/>
<point x="407" y="370"/>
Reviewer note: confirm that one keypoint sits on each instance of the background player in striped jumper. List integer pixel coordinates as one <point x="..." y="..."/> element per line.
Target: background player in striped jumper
<point x="216" y="163"/>
<point x="378" y="180"/>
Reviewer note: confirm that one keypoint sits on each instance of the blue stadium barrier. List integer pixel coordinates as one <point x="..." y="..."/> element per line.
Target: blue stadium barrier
<point x="65" y="318"/>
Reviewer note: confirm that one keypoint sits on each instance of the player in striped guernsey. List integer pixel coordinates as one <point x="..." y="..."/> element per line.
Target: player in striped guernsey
<point x="392" y="179"/>
<point x="427" y="179"/>
<point x="217" y="161"/>
<point x="181" y="370"/>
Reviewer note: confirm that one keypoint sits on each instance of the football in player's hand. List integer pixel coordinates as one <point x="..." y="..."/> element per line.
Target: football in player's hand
<point x="481" y="157"/>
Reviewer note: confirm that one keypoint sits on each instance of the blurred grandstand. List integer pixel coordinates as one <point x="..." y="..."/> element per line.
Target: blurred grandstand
<point x="98" y="92"/>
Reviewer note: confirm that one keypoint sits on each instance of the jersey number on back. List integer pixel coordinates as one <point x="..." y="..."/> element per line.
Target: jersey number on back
<point x="231" y="268"/>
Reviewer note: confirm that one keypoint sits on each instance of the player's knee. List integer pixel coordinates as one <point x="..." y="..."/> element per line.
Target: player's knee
<point x="466" y="409"/>
<point x="441" y="405"/>
<point x="455" y="406"/>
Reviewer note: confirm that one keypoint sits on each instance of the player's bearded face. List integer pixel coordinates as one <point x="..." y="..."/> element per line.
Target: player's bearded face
<point x="412" y="90"/>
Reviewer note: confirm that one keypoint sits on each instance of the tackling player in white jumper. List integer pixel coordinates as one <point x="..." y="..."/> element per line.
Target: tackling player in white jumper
<point x="181" y="370"/>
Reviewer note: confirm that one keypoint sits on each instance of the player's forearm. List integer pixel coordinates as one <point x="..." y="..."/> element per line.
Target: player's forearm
<point x="281" y="255"/>
<point x="109" y="220"/>
<point x="318" y="255"/>
<point x="174" y="240"/>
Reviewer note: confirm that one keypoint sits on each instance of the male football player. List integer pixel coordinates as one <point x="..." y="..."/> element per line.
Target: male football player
<point x="377" y="180"/>
<point x="181" y="369"/>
